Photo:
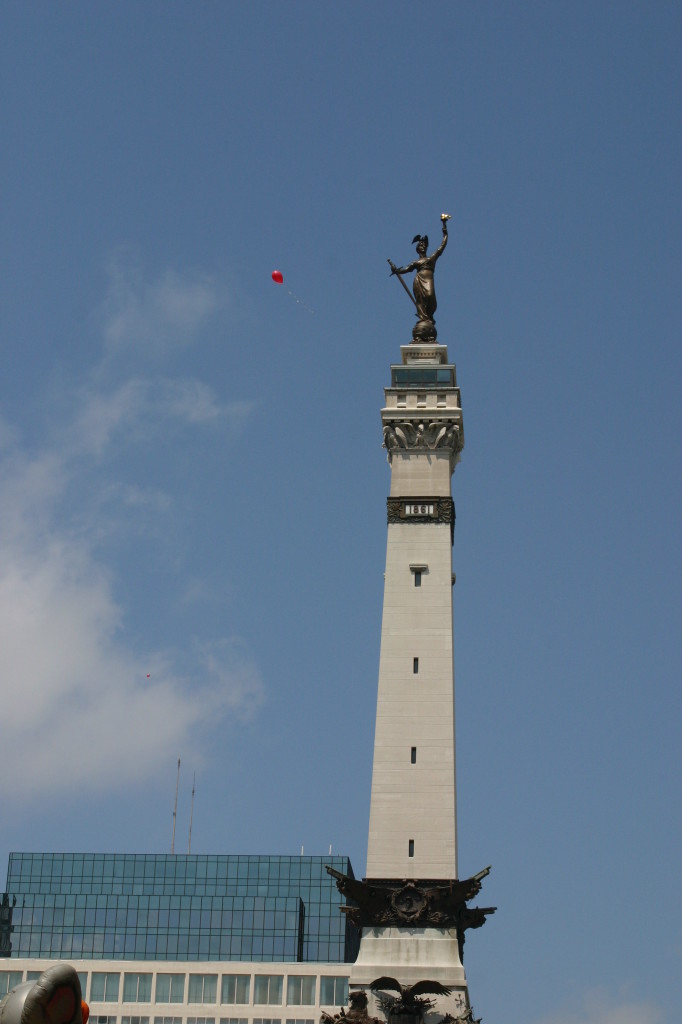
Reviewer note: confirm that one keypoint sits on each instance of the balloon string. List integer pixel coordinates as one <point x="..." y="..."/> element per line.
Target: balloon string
<point x="300" y="301"/>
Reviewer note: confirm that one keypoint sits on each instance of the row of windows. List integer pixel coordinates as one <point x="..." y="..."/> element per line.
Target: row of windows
<point x="171" y="867"/>
<point x="197" y="860"/>
<point x="267" y="949"/>
<point x="272" y="900"/>
<point x="235" y="989"/>
<point x="105" y="1019"/>
<point x="152" y="946"/>
<point x="171" y="894"/>
<point x="216" y="919"/>
<point x="200" y="861"/>
<point x="311" y="893"/>
<point x="314" y="888"/>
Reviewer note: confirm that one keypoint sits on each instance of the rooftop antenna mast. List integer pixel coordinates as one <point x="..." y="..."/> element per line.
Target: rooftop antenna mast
<point x="191" y="813"/>
<point x="175" y="808"/>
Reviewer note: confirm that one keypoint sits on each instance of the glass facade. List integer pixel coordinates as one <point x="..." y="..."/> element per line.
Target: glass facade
<point x="178" y="907"/>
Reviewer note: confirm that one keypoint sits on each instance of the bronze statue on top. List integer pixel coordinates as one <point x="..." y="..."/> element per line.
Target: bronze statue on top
<point x="424" y="331"/>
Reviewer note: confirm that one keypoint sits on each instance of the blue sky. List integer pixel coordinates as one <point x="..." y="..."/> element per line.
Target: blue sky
<point x="192" y="498"/>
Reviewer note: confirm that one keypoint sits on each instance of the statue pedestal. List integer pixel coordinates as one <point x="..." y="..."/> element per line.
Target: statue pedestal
<point x="412" y="955"/>
<point x="423" y="353"/>
<point x="424" y="332"/>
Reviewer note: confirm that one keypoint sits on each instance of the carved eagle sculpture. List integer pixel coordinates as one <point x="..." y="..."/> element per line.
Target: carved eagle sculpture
<point x="434" y="904"/>
<point x="412" y="999"/>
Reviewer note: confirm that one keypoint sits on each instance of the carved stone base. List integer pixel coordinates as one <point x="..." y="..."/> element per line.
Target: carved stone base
<point x="424" y="332"/>
<point x="409" y="954"/>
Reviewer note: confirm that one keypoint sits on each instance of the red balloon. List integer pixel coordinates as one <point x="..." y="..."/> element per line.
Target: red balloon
<point x="278" y="277"/>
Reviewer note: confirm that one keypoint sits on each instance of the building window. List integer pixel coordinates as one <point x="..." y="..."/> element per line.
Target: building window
<point x="300" y="990"/>
<point x="235" y="988"/>
<point x="168" y="1020"/>
<point x="413" y="755"/>
<point x="299" y="1020"/>
<point x="104" y="987"/>
<point x="101" y="1019"/>
<point x="134" y="1020"/>
<point x="267" y="1020"/>
<point x="267" y="988"/>
<point x="170" y="988"/>
<point x="201" y="1020"/>
<point x="415" y="665"/>
<point x="418" y="569"/>
<point x="333" y="991"/>
<point x="234" y="1020"/>
<point x="137" y="988"/>
<point x="203" y="988"/>
<point x="410" y="848"/>
<point x="8" y="979"/>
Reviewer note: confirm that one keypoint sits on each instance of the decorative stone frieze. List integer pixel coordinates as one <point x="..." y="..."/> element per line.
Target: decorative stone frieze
<point x="411" y="903"/>
<point x="423" y="434"/>
<point x="421" y="510"/>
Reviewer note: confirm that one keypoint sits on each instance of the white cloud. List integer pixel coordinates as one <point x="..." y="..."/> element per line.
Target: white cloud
<point x="600" y="1008"/>
<point x="140" y="408"/>
<point x="194" y="402"/>
<point x="158" y="314"/>
<point x="78" y="709"/>
<point x="28" y="489"/>
<point x="102" y="415"/>
<point x="137" y="497"/>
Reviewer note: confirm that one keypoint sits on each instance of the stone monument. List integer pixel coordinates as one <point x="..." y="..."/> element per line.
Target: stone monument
<point x="412" y="907"/>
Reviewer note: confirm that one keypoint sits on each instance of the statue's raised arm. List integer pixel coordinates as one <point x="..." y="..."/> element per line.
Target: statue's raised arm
<point x="423" y="285"/>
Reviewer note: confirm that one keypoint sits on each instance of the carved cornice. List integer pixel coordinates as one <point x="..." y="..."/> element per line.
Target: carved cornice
<point x="426" y="435"/>
<point x="413" y="903"/>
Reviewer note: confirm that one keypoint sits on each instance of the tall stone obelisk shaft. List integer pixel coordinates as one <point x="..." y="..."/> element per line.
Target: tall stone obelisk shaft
<point x="412" y="829"/>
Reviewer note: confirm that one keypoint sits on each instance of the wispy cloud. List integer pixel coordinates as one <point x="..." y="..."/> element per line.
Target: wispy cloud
<point x="142" y="407"/>
<point x="194" y="402"/>
<point x="82" y="706"/>
<point x="156" y="314"/>
<point x="598" y="1007"/>
<point x="76" y="698"/>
